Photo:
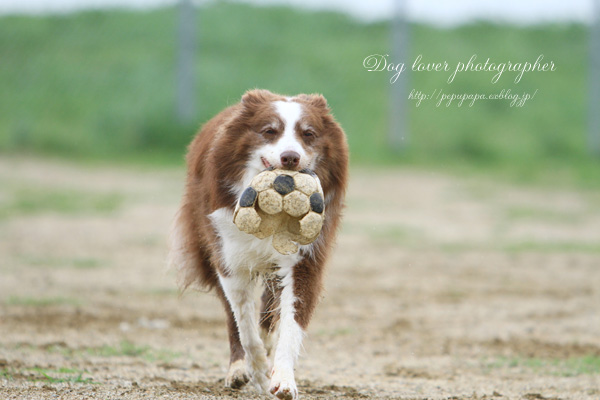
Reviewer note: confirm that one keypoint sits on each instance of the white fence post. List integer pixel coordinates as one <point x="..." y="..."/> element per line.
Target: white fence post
<point x="594" y="83"/>
<point x="186" y="51"/>
<point x="398" y="129"/>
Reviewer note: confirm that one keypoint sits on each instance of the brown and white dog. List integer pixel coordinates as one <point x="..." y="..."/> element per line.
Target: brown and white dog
<point x="263" y="130"/>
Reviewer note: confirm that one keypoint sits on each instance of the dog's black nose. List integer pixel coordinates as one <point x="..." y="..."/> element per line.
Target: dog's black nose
<point x="290" y="159"/>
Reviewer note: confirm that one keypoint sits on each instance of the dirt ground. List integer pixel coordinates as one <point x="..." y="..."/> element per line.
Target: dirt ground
<point x="441" y="287"/>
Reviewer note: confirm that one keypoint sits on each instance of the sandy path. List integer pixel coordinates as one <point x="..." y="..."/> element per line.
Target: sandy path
<point x="440" y="288"/>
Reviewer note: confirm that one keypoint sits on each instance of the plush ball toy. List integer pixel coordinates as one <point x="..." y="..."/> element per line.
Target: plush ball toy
<point x="287" y="205"/>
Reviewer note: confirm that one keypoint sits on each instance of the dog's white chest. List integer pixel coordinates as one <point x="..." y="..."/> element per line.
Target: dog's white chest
<point x="241" y="251"/>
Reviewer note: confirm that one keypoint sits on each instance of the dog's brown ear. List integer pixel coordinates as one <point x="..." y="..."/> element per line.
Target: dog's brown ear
<point x="256" y="96"/>
<point x="316" y="100"/>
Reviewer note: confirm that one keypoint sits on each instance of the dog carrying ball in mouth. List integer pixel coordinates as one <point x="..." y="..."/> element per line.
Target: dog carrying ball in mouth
<point x="237" y="222"/>
<point x="287" y="205"/>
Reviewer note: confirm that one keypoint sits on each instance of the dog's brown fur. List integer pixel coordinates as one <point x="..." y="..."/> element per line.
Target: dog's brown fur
<point x="216" y="162"/>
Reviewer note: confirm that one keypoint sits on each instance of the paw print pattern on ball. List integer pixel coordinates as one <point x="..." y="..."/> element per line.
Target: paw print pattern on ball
<point x="287" y="205"/>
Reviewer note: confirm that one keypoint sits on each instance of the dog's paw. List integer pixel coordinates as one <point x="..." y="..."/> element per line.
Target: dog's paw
<point x="283" y="387"/>
<point x="260" y="382"/>
<point x="257" y="365"/>
<point x="237" y="376"/>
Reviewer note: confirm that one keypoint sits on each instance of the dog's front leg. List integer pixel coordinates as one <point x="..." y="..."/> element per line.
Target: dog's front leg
<point x="300" y="289"/>
<point x="283" y="383"/>
<point x="239" y="291"/>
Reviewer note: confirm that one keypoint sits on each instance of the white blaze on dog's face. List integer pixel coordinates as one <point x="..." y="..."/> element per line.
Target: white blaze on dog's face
<point x="287" y="136"/>
<point x="291" y="133"/>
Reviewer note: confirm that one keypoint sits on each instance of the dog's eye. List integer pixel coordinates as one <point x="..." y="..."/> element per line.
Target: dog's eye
<point x="308" y="133"/>
<point x="270" y="131"/>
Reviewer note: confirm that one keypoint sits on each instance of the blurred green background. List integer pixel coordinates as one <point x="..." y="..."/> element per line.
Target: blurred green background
<point x="100" y="86"/>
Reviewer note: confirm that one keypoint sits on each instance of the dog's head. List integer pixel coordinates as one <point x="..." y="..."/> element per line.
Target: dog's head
<point x="293" y="133"/>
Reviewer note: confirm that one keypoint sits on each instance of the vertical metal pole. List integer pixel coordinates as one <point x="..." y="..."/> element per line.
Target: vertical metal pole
<point x="594" y="76"/>
<point x="398" y="133"/>
<point x="186" y="82"/>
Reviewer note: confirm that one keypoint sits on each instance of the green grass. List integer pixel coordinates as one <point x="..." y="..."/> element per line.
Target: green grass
<point x="59" y="262"/>
<point x="85" y="263"/>
<point x="61" y="375"/>
<point x="125" y="348"/>
<point x="129" y="349"/>
<point x="519" y="213"/>
<point x="41" y="301"/>
<point x="575" y="366"/>
<point x="101" y="84"/>
<point x="35" y="200"/>
<point x="523" y="247"/>
<point x="394" y="234"/>
<point x="549" y="247"/>
<point x="410" y="237"/>
<point x="5" y="373"/>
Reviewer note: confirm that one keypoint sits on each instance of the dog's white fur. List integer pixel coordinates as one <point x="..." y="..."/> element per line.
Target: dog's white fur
<point x="258" y="131"/>
<point x="244" y="256"/>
